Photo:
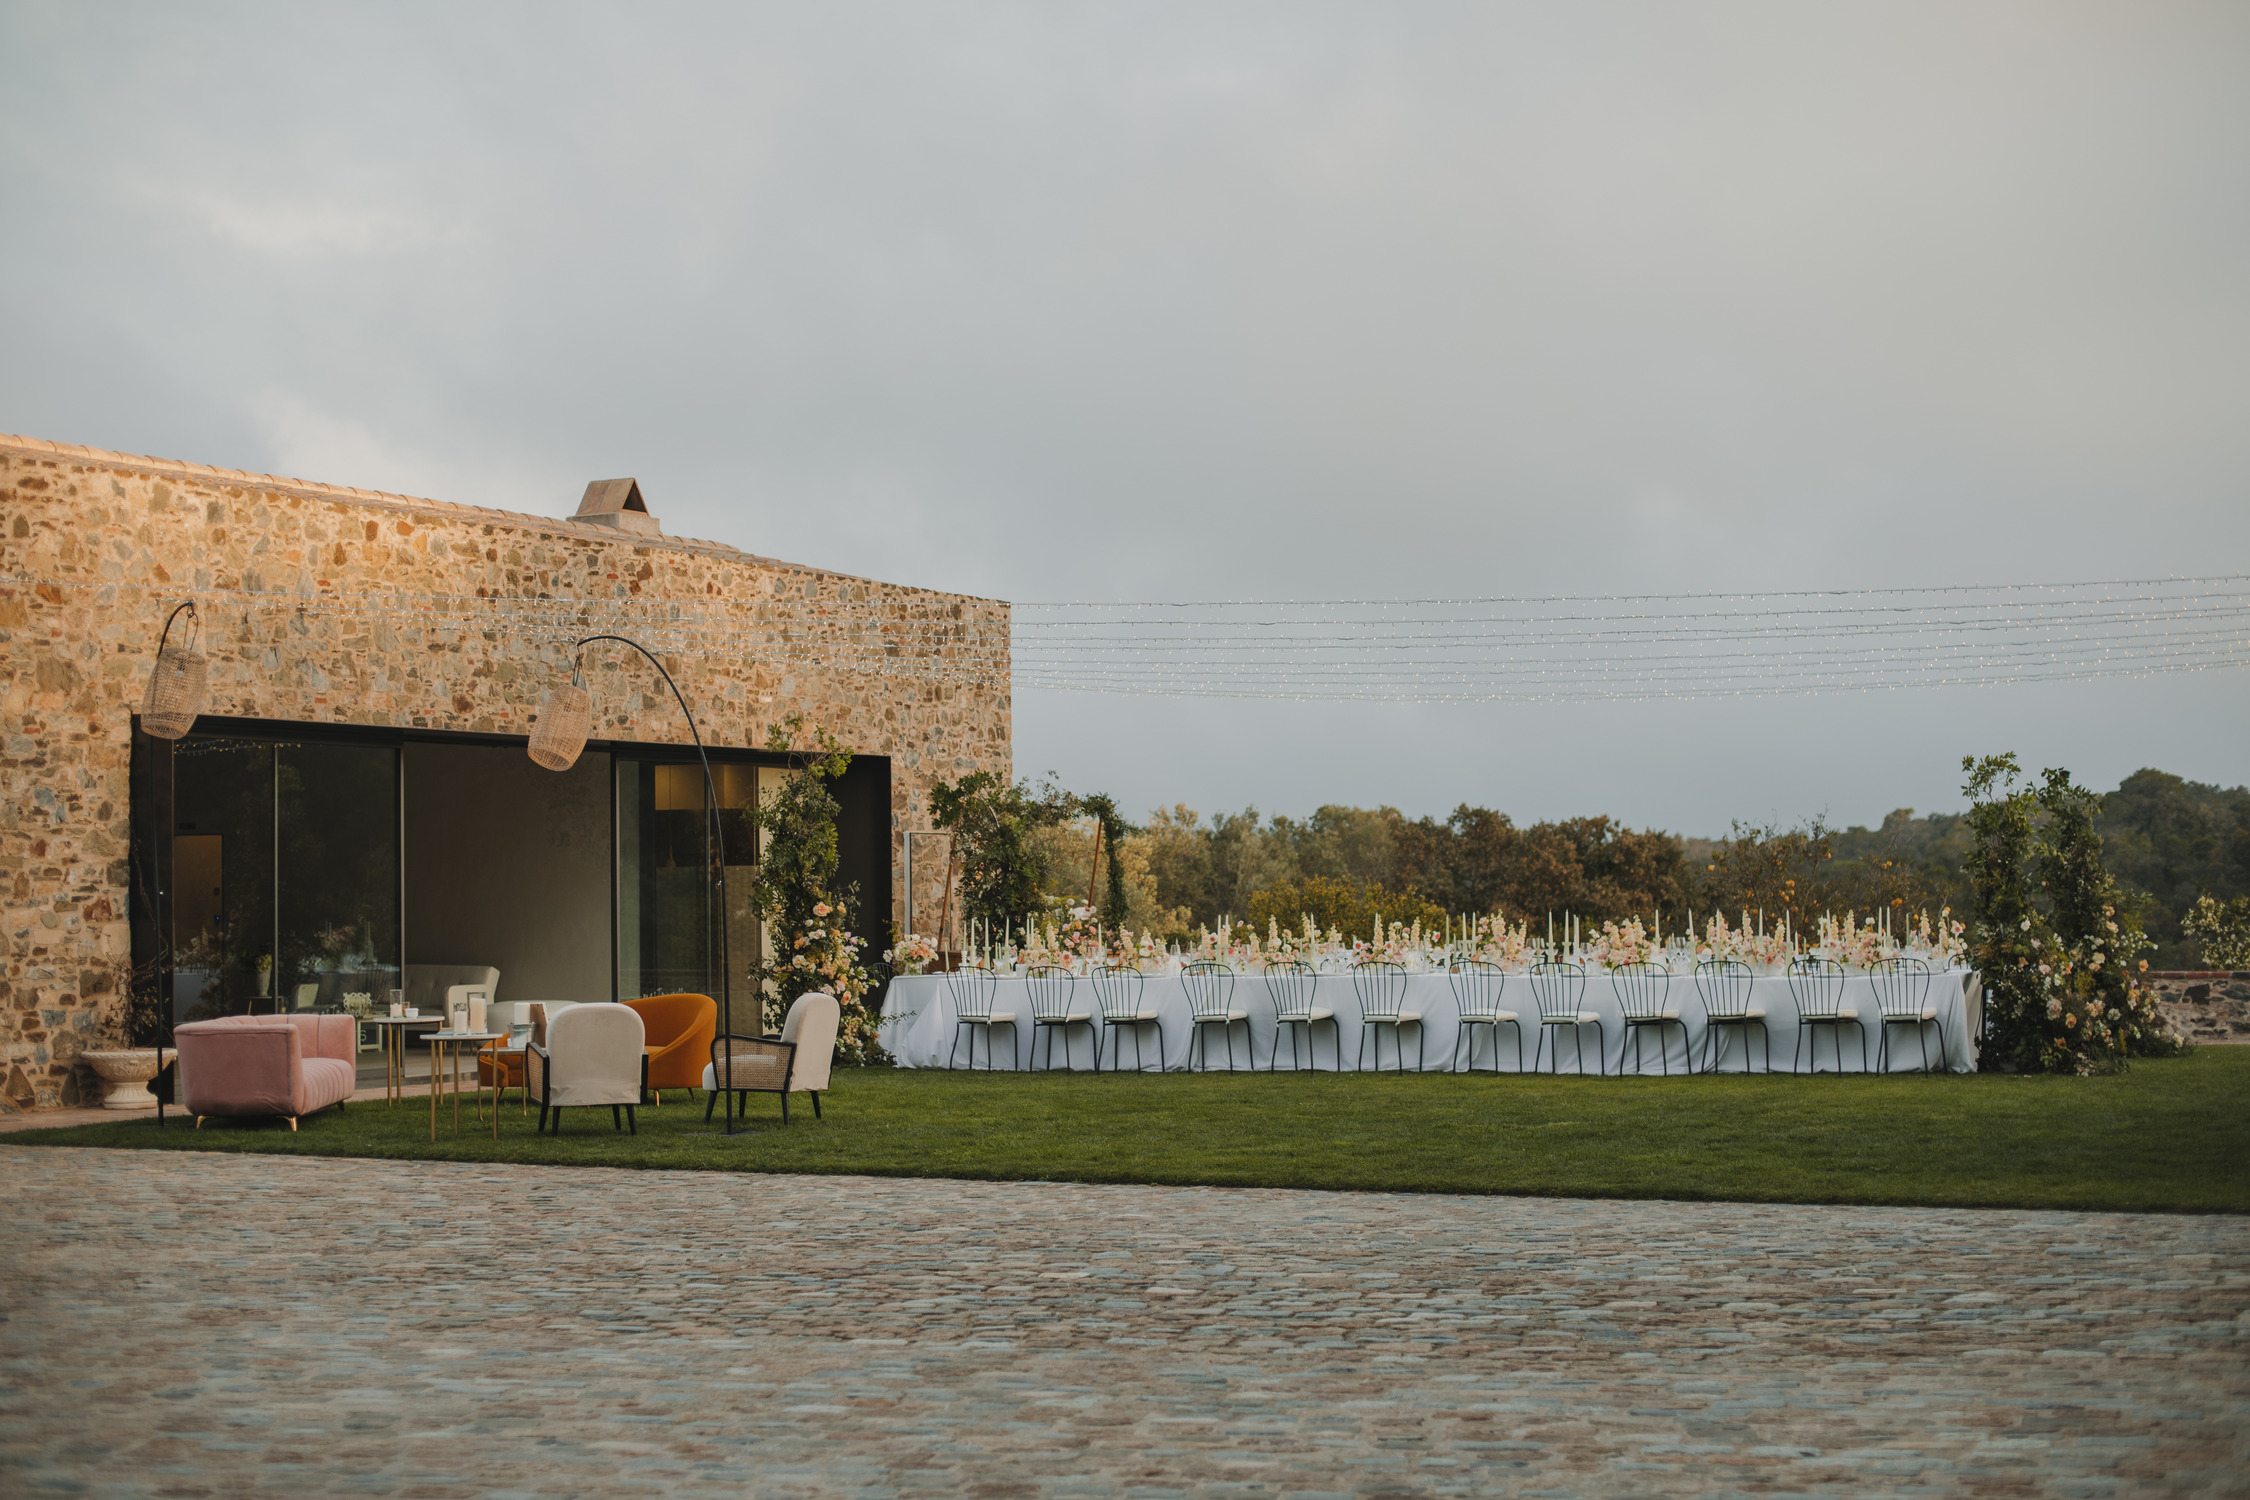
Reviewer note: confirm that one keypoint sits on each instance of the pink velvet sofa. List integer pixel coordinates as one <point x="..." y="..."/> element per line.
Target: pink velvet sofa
<point x="282" y="1065"/>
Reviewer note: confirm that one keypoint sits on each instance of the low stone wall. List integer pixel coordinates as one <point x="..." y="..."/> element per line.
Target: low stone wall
<point x="2204" y="1005"/>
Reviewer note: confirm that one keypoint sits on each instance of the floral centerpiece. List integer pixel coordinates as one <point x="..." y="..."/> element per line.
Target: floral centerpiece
<point x="1630" y="943"/>
<point x="1491" y="940"/>
<point x="913" y="955"/>
<point x="1744" y="944"/>
<point x="1943" y="943"/>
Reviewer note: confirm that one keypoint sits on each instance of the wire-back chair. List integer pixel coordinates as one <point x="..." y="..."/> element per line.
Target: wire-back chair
<point x="972" y="992"/>
<point x="1210" y="991"/>
<point x="1724" y="986"/>
<point x="1291" y="984"/>
<point x="1119" y="991"/>
<point x="1477" y="987"/>
<point x="1051" y="989"/>
<point x="1816" y="986"/>
<point x="1642" y="991"/>
<point x="1902" y="998"/>
<point x="1558" y="988"/>
<point x="1380" y="987"/>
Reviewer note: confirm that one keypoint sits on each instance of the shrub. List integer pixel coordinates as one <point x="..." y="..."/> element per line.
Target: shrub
<point x="2222" y="932"/>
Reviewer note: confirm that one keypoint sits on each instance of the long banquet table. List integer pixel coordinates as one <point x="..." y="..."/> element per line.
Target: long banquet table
<point x="918" y="1028"/>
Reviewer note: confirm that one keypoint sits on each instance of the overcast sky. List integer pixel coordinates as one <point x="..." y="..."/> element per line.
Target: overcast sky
<point x="1218" y="301"/>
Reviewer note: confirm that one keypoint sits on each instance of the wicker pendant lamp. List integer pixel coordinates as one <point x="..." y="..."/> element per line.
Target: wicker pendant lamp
<point x="566" y="717"/>
<point x="178" y="686"/>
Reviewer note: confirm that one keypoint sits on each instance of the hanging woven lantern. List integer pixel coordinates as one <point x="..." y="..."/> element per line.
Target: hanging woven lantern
<point x="176" y="688"/>
<point x="566" y="717"/>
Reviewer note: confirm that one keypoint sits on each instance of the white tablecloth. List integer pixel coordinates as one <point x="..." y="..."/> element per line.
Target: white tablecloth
<point x="918" y="1029"/>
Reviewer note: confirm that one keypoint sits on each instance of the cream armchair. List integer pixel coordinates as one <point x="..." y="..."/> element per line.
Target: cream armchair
<point x="796" y="1061"/>
<point x="592" y="1055"/>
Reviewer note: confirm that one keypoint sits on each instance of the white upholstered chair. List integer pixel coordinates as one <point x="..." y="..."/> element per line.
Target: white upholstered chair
<point x="592" y="1056"/>
<point x="795" y="1062"/>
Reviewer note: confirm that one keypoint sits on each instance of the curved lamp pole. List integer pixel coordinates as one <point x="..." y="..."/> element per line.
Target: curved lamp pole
<point x="177" y="686"/>
<point x="566" y="717"/>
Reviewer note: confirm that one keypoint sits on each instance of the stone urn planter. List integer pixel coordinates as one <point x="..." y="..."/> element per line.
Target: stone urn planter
<point x="125" y="1071"/>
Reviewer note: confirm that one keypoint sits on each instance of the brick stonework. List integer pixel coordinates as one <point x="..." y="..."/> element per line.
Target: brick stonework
<point x="2205" y="1005"/>
<point x="95" y="547"/>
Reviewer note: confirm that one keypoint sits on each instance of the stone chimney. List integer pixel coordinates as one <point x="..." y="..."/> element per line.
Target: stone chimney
<point x="618" y="503"/>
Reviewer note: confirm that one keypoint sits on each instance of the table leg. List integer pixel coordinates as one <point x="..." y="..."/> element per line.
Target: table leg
<point x="437" y="1050"/>
<point x="456" y="1088"/>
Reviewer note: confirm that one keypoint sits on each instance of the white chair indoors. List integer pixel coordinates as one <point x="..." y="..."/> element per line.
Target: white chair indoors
<point x="795" y="1062"/>
<point x="592" y="1056"/>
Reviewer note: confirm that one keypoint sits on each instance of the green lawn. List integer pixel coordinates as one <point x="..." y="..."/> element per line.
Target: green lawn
<point x="2171" y="1135"/>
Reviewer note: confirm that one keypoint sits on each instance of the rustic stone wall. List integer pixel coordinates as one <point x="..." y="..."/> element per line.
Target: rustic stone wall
<point x="298" y="585"/>
<point x="2204" y="1005"/>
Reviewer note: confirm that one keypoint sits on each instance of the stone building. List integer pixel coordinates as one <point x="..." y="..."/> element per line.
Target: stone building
<point x="354" y="802"/>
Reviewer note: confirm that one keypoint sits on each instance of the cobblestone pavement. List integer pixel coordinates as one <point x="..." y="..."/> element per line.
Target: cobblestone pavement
<point x="241" y="1325"/>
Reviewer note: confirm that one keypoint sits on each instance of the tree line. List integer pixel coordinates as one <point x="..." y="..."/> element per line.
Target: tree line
<point x="2166" y="840"/>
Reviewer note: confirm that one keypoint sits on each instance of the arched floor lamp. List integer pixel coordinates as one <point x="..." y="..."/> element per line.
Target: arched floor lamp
<point x="176" y="692"/>
<point x="566" y="717"/>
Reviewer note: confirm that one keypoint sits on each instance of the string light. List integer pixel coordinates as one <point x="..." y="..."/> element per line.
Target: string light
<point x="1552" y="648"/>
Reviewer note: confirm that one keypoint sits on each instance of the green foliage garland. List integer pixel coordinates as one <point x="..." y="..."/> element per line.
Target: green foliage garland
<point x="991" y="821"/>
<point x="795" y="893"/>
<point x="1103" y="809"/>
<point x="2005" y="931"/>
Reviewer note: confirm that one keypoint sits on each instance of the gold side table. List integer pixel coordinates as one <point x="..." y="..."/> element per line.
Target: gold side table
<point x="441" y="1042"/>
<point x="392" y="1029"/>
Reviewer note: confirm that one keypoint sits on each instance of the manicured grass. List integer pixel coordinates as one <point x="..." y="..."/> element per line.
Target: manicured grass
<point x="2170" y="1135"/>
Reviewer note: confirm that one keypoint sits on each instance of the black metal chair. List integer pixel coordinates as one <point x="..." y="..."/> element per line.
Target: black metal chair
<point x="1558" y="988"/>
<point x="1380" y="988"/>
<point x="1641" y="991"/>
<point x="1119" y="992"/>
<point x="1210" y="992"/>
<point x="1902" y="998"/>
<point x="1724" y="986"/>
<point x="1051" y="988"/>
<point x="1816" y="986"/>
<point x="972" y="992"/>
<point x="1477" y="987"/>
<point x="1291" y="985"/>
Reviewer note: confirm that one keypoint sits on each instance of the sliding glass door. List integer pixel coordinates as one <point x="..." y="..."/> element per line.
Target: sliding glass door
<point x="285" y="891"/>
<point x="667" y="913"/>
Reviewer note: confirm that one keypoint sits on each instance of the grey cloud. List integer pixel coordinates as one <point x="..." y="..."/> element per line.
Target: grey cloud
<point x="1191" y="301"/>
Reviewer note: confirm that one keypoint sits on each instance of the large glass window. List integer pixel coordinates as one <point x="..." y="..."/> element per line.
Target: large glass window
<point x="285" y="876"/>
<point x="667" y="927"/>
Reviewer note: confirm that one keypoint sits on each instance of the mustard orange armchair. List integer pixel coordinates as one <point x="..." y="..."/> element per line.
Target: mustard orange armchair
<point x="680" y="1029"/>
